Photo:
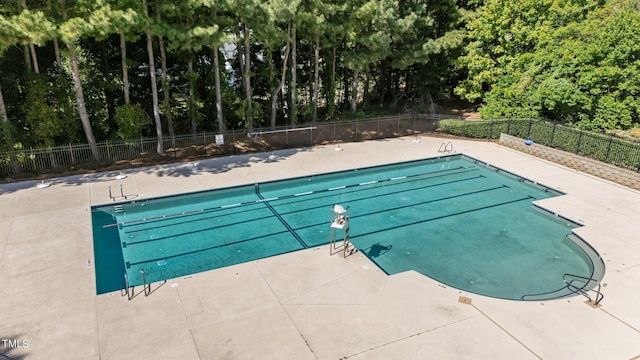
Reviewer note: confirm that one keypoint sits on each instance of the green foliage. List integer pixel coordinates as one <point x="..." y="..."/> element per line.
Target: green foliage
<point x="131" y="120"/>
<point x="598" y="146"/>
<point x="573" y="61"/>
<point x="40" y="115"/>
<point x="371" y="36"/>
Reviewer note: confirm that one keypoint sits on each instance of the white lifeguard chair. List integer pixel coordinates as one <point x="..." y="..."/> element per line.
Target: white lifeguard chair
<point x="340" y="218"/>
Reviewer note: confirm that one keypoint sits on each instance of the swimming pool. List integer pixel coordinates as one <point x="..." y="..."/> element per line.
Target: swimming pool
<point x="455" y="219"/>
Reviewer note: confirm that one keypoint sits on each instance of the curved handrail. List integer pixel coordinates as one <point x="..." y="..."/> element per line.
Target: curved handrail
<point x="144" y="283"/>
<point x="126" y="285"/>
<point x="581" y="290"/>
<point x="445" y="148"/>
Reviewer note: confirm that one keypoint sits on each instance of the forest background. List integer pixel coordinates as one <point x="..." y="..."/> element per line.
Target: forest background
<point x="76" y="71"/>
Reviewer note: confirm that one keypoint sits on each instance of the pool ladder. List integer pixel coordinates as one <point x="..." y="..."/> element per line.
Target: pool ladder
<point x="130" y="289"/>
<point x="113" y="198"/>
<point x="446" y="147"/>
<point x="581" y="290"/>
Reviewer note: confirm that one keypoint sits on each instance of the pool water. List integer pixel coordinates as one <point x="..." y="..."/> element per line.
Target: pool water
<point x="454" y="219"/>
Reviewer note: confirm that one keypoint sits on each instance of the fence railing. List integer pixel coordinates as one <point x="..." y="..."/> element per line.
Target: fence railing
<point x="607" y="148"/>
<point x="32" y="162"/>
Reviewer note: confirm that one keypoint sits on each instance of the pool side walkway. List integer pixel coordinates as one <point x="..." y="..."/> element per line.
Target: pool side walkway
<point x="307" y="304"/>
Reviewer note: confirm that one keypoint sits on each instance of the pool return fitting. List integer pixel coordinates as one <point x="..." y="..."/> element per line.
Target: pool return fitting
<point x="340" y="220"/>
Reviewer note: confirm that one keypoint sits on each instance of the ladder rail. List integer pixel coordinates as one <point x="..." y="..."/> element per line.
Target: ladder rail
<point x="127" y="287"/>
<point x="581" y="290"/>
<point x="147" y="289"/>
<point x="446" y="147"/>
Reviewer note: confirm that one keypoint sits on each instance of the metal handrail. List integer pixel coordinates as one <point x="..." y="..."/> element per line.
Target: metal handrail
<point x="599" y="295"/>
<point x="444" y="147"/>
<point x="127" y="287"/>
<point x="144" y="284"/>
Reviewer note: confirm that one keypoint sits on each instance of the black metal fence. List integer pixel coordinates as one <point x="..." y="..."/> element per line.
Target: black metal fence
<point x="25" y="163"/>
<point x="608" y="148"/>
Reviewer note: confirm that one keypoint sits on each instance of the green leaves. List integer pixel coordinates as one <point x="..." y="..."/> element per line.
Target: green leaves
<point x="575" y="61"/>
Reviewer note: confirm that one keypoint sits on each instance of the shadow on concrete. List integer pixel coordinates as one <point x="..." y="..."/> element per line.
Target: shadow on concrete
<point x="182" y="169"/>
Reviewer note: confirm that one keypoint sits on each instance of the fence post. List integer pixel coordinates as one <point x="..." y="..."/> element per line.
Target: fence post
<point x="33" y="161"/>
<point x="529" y="130"/>
<point x="73" y="158"/>
<point x="334" y="131"/>
<point x="508" y="127"/>
<point x="578" y="144"/>
<point x="106" y="142"/>
<point x="414" y="124"/>
<point x="606" y="159"/>
<point x="490" y="129"/>
<point x="553" y="132"/>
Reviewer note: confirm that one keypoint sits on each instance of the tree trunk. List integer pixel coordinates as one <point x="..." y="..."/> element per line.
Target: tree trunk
<point x="5" y="123"/>
<point x="34" y="58"/>
<point x="8" y="136"/>
<point x="56" y="51"/>
<point x="27" y="57"/>
<point x="125" y="68"/>
<point x="154" y="86"/>
<point x="331" y="92"/>
<point x="165" y="82"/>
<point x="216" y="75"/>
<point x="316" y="78"/>
<point x="354" y="91"/>
<point x="192" y="98"/>
<point x="166" y="90"/>
<point x="245" y="76"/>
<point x="109" y="94"/>
<point x="294" y="68"/>
<point x="82" y="109"/>
<point x="283" y="77"/>
<point x="31" y="48"/>
<point x="154" y="94"/>
<point x="365" y="92"/>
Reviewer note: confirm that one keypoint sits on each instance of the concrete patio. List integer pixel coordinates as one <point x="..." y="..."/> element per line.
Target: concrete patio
<point x="307" y="304"/>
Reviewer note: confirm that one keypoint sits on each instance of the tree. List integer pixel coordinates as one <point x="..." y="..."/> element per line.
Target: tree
<point x="571" y="61"/>
<point x="163" y="76"/>
<point x="69" y="32"/>
<point x="154" y="85"/>
<point x="30" y="45"/>
<point x="369" y="37"/>
<point x="251" y="16"/>
<point x="5" y="42"/>
<point x="283" y="75"/>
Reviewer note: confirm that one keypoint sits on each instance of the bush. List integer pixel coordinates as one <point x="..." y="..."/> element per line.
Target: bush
<point x="131" y="119"/>
<point x="605" y="148"/>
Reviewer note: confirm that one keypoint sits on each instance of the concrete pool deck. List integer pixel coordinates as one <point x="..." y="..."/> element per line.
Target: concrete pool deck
<point x="307" y="304"/>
